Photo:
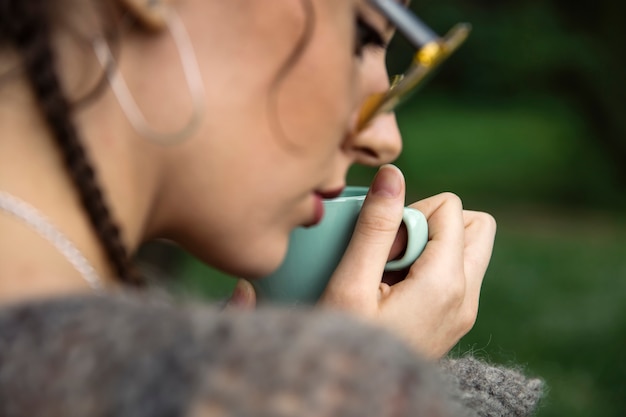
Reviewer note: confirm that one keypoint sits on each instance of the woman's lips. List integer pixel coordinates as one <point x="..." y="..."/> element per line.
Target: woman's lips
<point x="318" y="211"/>
<point x="330" y="193"/>
<point x="318" y="204"/>
<point x="318" y="207"/>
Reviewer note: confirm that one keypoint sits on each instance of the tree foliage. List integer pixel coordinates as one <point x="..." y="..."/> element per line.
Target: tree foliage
<point x="557" y="48"/>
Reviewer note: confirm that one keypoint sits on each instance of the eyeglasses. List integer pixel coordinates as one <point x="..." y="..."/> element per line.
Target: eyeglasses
<point x="432" y="50"/>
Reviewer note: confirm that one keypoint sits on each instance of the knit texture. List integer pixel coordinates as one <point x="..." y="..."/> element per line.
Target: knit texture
<point x="144" y="356"/>
<point x="492" y="390"/>
<point x="134" y="357"/>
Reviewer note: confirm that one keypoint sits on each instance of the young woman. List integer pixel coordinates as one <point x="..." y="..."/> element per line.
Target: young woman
<point x="219" y="125"/>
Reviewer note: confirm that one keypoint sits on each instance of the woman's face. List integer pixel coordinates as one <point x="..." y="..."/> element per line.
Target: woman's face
<point x="284" y="82"/>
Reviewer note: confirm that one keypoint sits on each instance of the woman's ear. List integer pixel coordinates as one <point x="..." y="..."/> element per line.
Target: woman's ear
<point x="151" y="13"/>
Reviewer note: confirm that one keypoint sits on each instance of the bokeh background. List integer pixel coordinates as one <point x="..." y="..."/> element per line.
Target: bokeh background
<point x="526" y="121"/>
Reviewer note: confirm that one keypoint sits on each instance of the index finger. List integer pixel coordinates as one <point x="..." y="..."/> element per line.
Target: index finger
<point x="446" y="225"/>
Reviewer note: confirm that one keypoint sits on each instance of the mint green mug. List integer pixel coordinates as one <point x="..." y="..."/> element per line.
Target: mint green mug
<point x="314" y="252"/>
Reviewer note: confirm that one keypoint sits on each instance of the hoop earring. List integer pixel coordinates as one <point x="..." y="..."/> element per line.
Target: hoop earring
<point x="128" y="103"/>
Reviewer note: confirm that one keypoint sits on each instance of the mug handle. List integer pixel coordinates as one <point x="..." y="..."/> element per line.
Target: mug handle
<point x="417" y="231"/>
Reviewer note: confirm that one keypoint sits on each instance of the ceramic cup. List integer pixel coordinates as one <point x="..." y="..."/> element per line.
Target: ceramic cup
<point x="314" y="252"/>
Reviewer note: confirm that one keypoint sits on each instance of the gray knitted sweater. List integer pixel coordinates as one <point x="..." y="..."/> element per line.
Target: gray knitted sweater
<point x="136" y="356"/>
<point x="490" y="390"/>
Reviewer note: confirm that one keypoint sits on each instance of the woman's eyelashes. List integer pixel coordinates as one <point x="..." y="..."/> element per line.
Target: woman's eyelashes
<point x="366" y="37"/>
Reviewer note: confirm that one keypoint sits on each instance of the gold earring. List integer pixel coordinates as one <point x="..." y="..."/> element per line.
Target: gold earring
<point x="151" y="13"/>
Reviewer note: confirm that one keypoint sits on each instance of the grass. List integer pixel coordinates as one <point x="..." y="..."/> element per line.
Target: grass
<point x="554" y="301"/>
<point x="554" y="298"/>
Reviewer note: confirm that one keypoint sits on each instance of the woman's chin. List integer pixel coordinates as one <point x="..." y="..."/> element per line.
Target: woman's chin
<point x="254" y="264"/>
<point x="262" y="268"/>
<point x="248" y="257"/>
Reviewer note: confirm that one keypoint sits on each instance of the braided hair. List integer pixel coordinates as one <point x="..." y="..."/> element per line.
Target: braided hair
<point x="25" y="25"/>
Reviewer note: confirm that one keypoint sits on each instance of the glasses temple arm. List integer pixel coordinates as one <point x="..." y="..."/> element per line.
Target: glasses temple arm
<point x="409" y="25"/>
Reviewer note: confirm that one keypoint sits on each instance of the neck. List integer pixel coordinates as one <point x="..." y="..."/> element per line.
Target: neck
<point x="32" y="169"/>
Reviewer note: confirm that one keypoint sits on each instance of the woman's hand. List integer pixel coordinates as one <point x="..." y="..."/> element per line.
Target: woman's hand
<point x="437" y="301"/>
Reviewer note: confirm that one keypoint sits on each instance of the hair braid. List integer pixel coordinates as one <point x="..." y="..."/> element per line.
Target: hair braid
<point x="25" y="23"/>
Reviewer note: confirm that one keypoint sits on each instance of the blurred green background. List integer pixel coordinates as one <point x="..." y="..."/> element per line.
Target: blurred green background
<point x="526" y="122"/>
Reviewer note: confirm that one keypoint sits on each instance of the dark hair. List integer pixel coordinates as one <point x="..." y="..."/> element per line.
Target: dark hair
<point x="25" y="25"/>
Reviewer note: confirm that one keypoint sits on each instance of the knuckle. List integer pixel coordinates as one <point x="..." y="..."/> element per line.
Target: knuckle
<point x="454" y="299"/>
<point x="486" y="220"/>
<point x="455" y="292"/>
<point x="477" y="263"/>
<point x="468" y="317"/>
<point x="452" y="199"/>
<point x="375" y="222"/>
<point x="450" y="301"/>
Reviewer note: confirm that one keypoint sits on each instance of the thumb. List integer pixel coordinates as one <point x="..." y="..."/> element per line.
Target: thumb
<point x="244" y="297"/>
<point x="363" y="264"/>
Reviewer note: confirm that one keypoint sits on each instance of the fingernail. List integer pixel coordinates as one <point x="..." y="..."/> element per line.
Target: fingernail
<point x="239" y="297"/>
<point x="388" y="182"/>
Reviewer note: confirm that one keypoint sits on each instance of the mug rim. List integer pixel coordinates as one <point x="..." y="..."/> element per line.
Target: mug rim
<point x="350" y="193"/>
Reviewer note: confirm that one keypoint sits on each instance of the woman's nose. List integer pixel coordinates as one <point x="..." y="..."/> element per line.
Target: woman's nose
<point x="379" y="142"/>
